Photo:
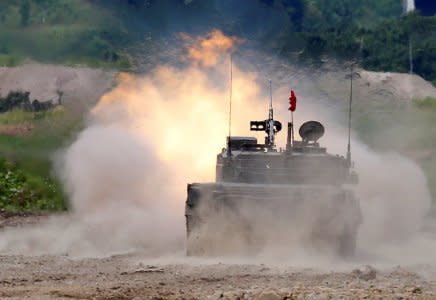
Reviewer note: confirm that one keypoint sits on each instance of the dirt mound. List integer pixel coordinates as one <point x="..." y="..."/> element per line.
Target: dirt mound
<point x="401" y="86"/>
<point x="375" y="87"/>
<point x="83" y="86"/>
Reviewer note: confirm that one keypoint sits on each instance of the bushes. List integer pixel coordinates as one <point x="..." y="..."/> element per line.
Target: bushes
<point x="27" y="182"/>
<point x="23" y="192"/>
<point x="14" y="192"/>
<point x="19" y="99"/>
<point x="371" y="32"/>
<point x="384" y="47"/>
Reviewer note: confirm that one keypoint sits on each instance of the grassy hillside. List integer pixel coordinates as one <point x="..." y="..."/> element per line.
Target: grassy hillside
<point x="28" y="141"/>
<point x="102" y="33"/>
<point x="59" y="31"/>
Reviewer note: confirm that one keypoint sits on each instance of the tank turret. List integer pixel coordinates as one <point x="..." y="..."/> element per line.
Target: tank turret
<point x="302" y="162"/>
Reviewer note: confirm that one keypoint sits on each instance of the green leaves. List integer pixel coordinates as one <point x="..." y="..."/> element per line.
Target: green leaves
<point x="27" y="182"/>
<point x="24" y="192"/>
<point x="384" y="46"/>
<point x="60" y="31"/>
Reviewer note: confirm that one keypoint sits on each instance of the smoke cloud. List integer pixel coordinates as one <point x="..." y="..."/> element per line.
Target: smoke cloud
<point x="126" y="173"/>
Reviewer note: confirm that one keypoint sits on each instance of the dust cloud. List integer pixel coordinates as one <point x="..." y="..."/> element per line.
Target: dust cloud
<point x="126" y="173"/>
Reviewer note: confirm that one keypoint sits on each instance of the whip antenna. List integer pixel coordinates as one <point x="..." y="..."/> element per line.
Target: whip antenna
<point x="229" y="150"/>
<point x="270" y="126"/>
<point x="349" y="118"/>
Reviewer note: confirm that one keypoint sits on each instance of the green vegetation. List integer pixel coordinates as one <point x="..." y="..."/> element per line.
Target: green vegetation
<point x="7" y="60"/>
<point x="59" y="31"/>
<point x="21" y="190"/>
<point x="318" y="15"/>
<point x="27" y="182"/>
<point x="102" y="33"/>
<point x="369" y="32"/>
<point x="427" y="103"/>
<point x="407" y="128"/>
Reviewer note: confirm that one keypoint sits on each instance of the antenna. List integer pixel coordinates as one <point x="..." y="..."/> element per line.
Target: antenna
<point x="269" y="126"/>
<point x="229" y="150"/>
<point x="349" y="117"/>
<point x="270" y="98"/>
<point x="271" y="119"/>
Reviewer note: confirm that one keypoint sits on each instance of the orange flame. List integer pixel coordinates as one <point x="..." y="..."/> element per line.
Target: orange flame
<point x="181" y="114"/>
<point x="207" y="51"/>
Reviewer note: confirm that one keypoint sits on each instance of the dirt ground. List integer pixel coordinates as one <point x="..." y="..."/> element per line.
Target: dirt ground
<point x="126" y="277"/>
<point x="134" y="276"/>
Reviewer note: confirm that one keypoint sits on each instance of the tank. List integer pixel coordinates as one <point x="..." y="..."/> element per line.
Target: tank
<point x="264" y="197"/>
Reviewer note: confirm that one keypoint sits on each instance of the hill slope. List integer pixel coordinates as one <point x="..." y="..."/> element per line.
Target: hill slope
<point x="101" y="33"/>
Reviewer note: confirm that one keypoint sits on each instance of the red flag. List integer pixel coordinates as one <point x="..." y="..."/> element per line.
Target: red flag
<point x="293" y="102"/>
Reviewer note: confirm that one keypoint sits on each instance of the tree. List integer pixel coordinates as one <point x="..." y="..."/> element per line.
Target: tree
<point x="296" y="10"/>
<point x="25" y="12"/>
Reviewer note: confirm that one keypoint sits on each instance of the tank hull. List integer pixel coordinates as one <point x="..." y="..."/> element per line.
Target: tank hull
<point x="240" y="218"/>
